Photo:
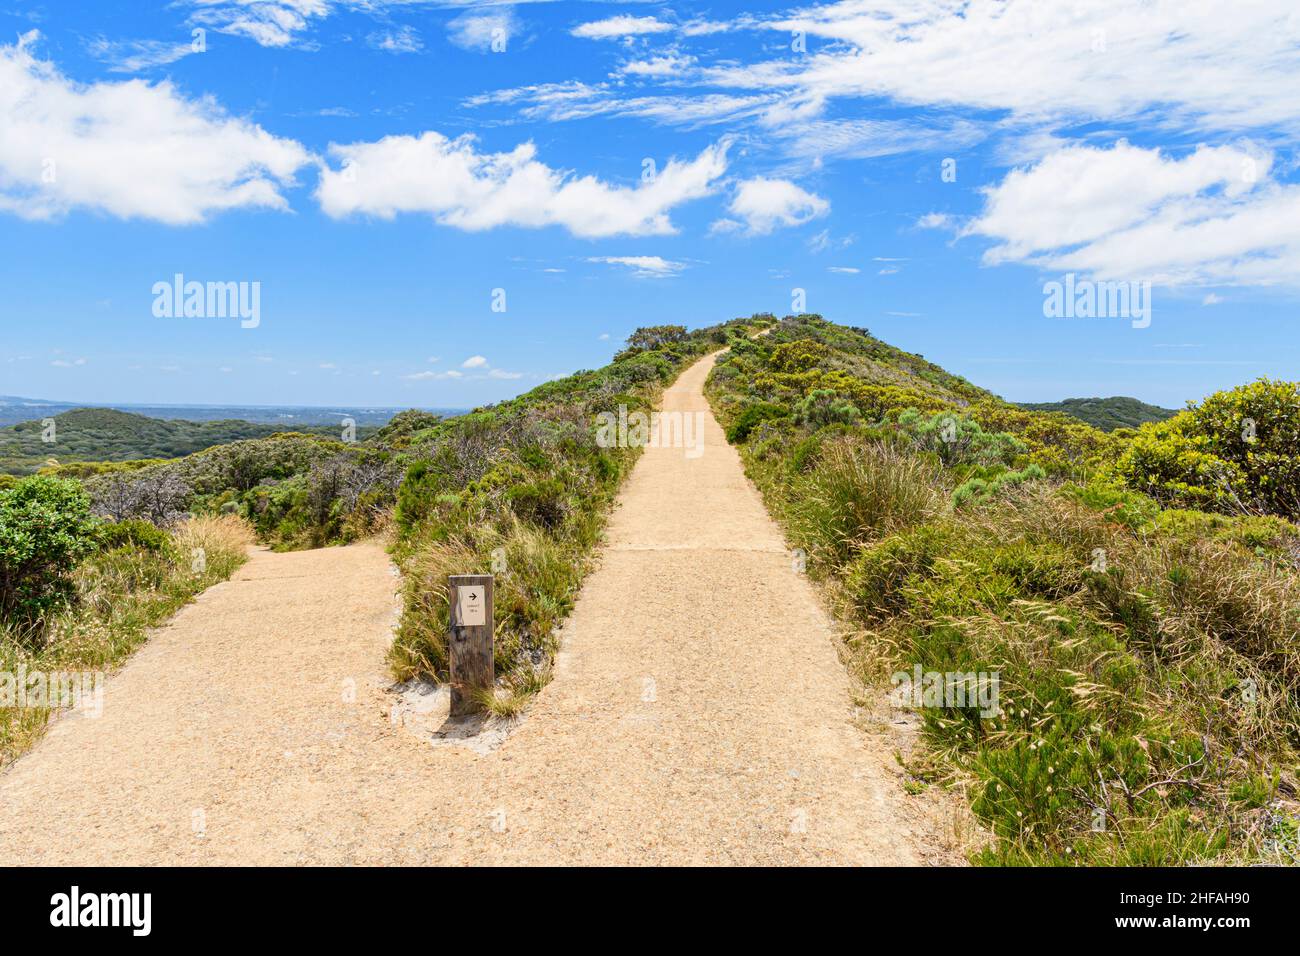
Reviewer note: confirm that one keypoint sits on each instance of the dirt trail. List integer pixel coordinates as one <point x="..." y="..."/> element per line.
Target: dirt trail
<point x="699" y="714"/>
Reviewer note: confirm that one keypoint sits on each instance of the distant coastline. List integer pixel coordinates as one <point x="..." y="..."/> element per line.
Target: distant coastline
<point x="15" y="409"/>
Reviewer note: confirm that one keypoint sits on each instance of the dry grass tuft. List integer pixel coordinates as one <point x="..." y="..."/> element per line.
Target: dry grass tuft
<point x="223" y="534"/>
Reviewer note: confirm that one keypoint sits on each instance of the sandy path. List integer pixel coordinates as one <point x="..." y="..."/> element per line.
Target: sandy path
<point x="699" y="715"/>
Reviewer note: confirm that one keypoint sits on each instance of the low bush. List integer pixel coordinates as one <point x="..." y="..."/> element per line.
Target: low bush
<point x="983" y="490"/>
<point x="46" y="529"/>
<point x="751" y="417"/>
<point x="859" y="492"/>
<point x="958" y="440"/>
<point x="825" y="406"/>
<point x="133" y="534"/>
<point x="1236" y="452"/>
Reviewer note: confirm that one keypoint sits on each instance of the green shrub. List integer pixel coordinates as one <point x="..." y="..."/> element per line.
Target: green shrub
<point x="45" y="529"/>
<point x="825" y="406"/>
<point x="798" y="356"/>
<point x="1134" y="510"/>
<point x="405" y="424"/>
<point x="857" y="492"/>
<point x="133" y="534"/>
<point x="751" y="417"/>
<point x="543" y="502"/>
<point x="877" y="577"/>
<point x="959" y="440"/>
<point x="983" y="490"/>
<point x="418" y="494"/>
<point x="1238" y="451"/>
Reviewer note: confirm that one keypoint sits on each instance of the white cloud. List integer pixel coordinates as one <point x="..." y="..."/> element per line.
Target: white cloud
<point x="643" y="267"/>
<point x="1081" y="193"/>
<point x="935" y="220"/>
<point x="1211" y="299"/>
<point x="658" y="66"/>
<point x="763" y="205"/>
<point x="620" y="26"/>
<point x="570" y="100"/>
<point x="132" y="149"/>
<point x="1213" y="216"/>
<point x="1024" y="69"/>
<point x="65" y="363"/>
<point x="1196" y="61"/>
<point x="865" y="139"/>
<point x="134" y="56"/>
<point x="823" y="241"/>
<point x="473" y="363"/>
<point x="271" y="23"/>
<point x="402" y="40"/>
<point x="844" y="270"/>
<point x="461" y="187"/>
<point x="480" y="30"/>
<point x="699" y="28"/>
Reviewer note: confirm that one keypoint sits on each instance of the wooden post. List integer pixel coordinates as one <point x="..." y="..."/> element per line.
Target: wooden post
<point x="469" y="647"/>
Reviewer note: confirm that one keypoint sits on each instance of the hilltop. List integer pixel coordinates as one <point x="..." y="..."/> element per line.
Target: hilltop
<point x="109" y="435"/>
<point x="1107" y="414"/>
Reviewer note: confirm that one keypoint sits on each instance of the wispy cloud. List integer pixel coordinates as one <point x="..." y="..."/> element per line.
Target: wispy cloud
<point x="400" y="40"/>
<point x="136" y="56"/>
<point x="484" y="31"/>
<point x="612" y="28"/>
<point x="643" y="267"/>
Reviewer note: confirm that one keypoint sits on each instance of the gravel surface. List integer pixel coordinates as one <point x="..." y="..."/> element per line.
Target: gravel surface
<point x="699" y="714"/>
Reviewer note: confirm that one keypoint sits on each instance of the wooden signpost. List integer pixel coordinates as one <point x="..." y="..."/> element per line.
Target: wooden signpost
<point x="469" y="647"/>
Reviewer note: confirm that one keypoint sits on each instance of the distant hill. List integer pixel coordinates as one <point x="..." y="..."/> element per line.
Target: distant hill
<point x="1107" y="414"/>
<point x="14" y="409"/>
<point x="105" y="434"/>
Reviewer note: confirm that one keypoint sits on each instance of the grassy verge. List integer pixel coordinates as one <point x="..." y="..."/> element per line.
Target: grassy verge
<point x="1148" y="658"/>
<point x="521" y="490"/>
<point x="119" y="593"/>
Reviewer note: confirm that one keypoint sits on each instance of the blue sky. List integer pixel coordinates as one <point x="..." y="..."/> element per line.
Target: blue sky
<point x="380" y="167"/>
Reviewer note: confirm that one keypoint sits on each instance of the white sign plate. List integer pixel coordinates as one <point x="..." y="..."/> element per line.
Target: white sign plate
<point x="471" y="607"/>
